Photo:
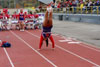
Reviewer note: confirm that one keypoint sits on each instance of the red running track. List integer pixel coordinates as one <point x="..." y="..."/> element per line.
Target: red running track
<point x="24" y="53"/>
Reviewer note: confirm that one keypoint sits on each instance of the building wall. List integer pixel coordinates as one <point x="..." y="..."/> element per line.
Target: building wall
<point x="17" y="3"/>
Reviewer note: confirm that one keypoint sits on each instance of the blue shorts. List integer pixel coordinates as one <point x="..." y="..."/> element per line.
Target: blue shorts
<point x="21" y="20"/>
<point x="46" y="34"/>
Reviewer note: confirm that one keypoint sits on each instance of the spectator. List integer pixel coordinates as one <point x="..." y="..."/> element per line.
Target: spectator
<point x="74" y="4"/>
<point x="81" y="5"/>
<point x="15" y="16"/>
<point x="40" y="7"/>
<point x="36" y="23"/>
<point x="30" y="15"/>
<point x="59" y="5"/>
<point x="26" y="15"/>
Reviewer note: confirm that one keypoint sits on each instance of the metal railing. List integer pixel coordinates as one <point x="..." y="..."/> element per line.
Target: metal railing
<point x="76" y="10"/>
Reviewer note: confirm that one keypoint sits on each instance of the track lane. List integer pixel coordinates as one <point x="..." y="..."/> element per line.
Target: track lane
<point x="21" y="55"/>
<point x="87" y="53"/>
<point x="59" y="57"/>
<point x="80" y="50"/>
<point x="3" y="57"/>
<point x="85" y="45"/>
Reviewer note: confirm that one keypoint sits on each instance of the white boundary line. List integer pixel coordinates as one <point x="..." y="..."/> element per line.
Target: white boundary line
<point x="34" y="49"/>
<point x="87" y="46"/>
<point x="91" y="46"/>
<point x="69" y="52"/>
<point x="12" y="65"/>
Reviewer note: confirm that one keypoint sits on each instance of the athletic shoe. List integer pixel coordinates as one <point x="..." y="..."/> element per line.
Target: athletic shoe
<point x="49" y="9"/>
<point x="22" y="30"/>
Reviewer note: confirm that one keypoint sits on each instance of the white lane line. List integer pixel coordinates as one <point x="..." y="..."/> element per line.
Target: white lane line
<point x="69" y="52"/>
<point x="12" y="65"/>
<point x="34" y="49"/>
<point x="95" y="66"/>
<point x="90" y="47"/>
<point x="70" y="41"/>
<point x="65" y="40"/>
<point x="86" y="45"/>
<point x="78" y="56"/>
<point x="73" y="42"/>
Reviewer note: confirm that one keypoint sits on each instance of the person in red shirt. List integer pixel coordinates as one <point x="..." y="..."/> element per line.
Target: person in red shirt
<point x="36" y="15"/>
<point x="14" y="16"/>
<point x="36" y="23"/>
<point x="58" y="6"/>
<point x="5" y="11"/>
<point x="40" y="7"/>
<point x="7" y="15"/>
<point x="30" y="15"/>
<point x="26" y="15"/>
<point x="4" y="21"/>
<point x="1" y="15"/>
<point x="21" y="18"/>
